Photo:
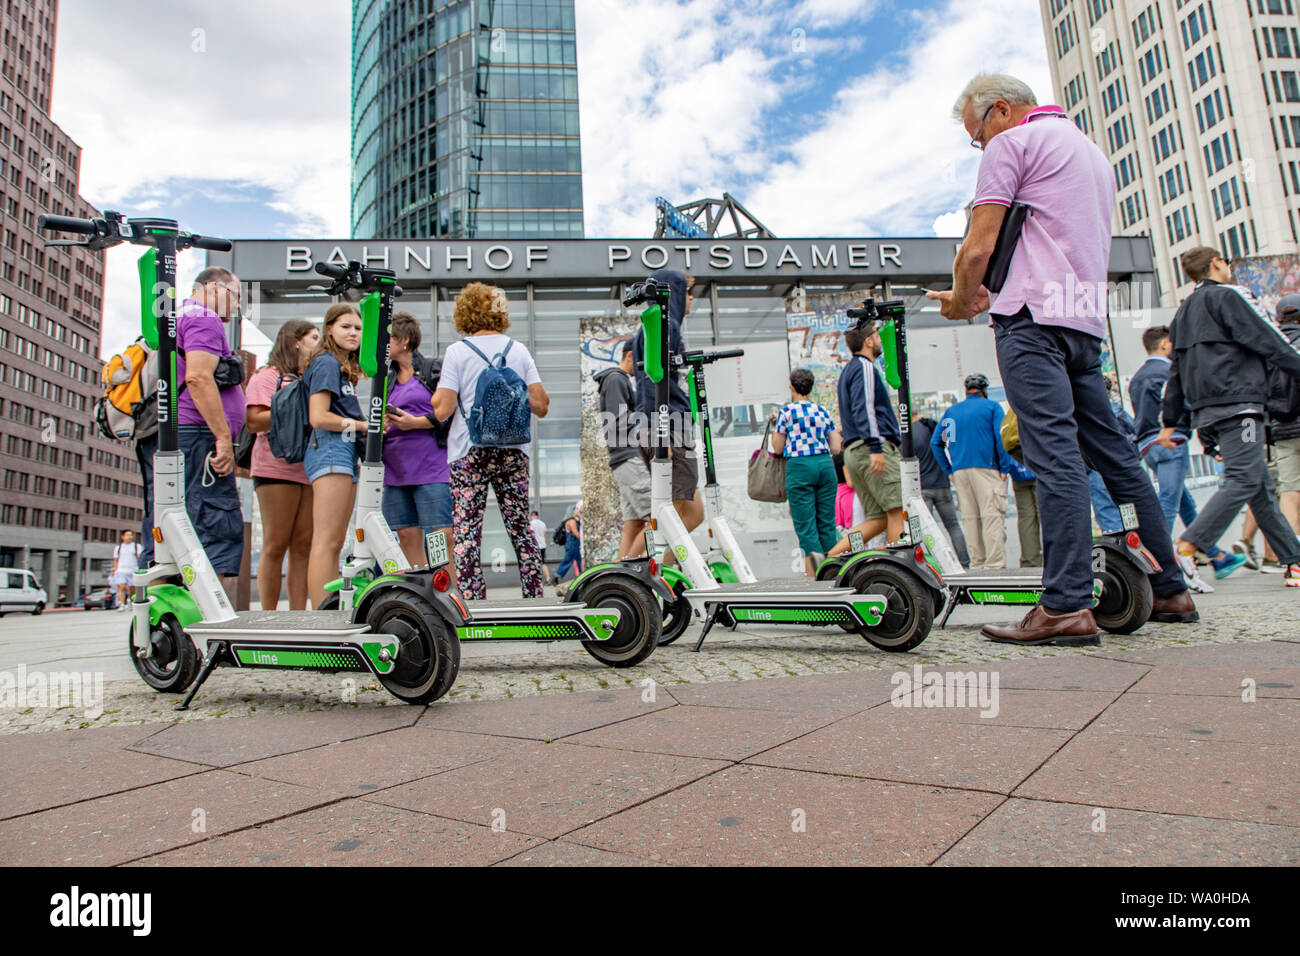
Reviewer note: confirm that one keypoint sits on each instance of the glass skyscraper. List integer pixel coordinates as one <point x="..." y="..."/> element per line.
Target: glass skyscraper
<point x="465" y="120"/>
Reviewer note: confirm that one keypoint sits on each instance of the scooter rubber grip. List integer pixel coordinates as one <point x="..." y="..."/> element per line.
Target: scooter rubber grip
<point x="207" y="242"/>
<point x="333" y="271"/>
<point x="724" y="354"/>
<point x="85" y="227"/>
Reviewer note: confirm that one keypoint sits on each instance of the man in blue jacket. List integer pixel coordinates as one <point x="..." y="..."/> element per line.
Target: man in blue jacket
<point x="871" y="437"/>
<point x="967" y="445"/>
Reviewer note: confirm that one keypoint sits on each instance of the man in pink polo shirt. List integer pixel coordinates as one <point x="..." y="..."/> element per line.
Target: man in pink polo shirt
<point x="1048" y="321"/>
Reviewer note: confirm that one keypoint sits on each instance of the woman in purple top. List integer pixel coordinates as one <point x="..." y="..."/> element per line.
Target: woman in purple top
<point x="417" y="493"/>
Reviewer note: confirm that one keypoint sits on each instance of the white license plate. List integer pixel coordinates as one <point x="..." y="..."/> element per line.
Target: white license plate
<point x="435" y="548"/>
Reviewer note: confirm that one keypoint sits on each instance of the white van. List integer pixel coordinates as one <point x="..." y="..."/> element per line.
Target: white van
<point x="19" y="591"/>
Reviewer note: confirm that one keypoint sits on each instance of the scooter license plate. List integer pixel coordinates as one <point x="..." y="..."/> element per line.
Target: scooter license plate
<point x="435" y="548"/>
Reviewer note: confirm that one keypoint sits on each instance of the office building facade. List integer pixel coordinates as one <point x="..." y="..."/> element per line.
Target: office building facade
<point x="1197" y="105"/>
<point x="465" y="120"/>
<point x="65" y="494"/>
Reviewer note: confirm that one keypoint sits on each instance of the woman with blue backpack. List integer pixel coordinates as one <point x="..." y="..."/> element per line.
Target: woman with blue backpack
<point x="282" y="489"/>
<point x="490" y="384"/>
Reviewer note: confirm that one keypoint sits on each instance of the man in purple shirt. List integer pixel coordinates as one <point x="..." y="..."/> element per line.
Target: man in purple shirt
<point x="1049" y="320"/>
<point x="210" y="413"/>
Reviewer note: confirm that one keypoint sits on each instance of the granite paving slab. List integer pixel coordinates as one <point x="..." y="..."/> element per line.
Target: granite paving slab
<point x="1210" y="778"/>
<point x="889" y="744"/>
<point x="722" y="733"/>
<point x="371" y="763"/>
<point x="1222" y="681"/>
<point x="547" y="789"/>
<point x="127" y="826"/>
<point x="243" y="739"/>
<point x="352" y="833"/>
<point x="547" y="718"/>
<point x="1035" y="833"/>
<point x="1210" y="718"/>
<point x="764" y="816"/>
<point x="70" y="780"/>
<point x="845" y="693"/>
<point x="563" y="853"/>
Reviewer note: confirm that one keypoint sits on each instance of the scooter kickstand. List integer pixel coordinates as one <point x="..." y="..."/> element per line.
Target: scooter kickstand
<point x="209" y="666"/>
<point x="948" y="608"/>
<point x="709" y="620"/>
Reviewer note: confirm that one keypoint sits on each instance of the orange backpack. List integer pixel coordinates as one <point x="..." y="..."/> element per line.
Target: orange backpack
<point x="126" y="411"/>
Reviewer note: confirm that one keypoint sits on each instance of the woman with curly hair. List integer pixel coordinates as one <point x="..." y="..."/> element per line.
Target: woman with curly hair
<point x="482" y="316"/>
<point x="336" y="427"/>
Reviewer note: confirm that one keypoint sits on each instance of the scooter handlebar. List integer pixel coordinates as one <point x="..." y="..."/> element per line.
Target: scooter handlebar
<point x="84" y="227"/>
<point x="207" y="242"/>
<point x="333" y="271"/>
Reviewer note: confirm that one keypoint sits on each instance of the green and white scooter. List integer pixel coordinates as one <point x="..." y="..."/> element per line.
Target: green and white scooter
<point x="884" y="595"/>
<point x="613" y="609"/>
<point x="183" y="625"/>
<point x="725" y="558"/>
<point x="1122" y="595"/>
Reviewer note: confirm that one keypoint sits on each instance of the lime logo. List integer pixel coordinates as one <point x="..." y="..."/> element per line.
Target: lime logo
<point x="680" y="552"/>
<point x="390" y="566"/>
<point x="187" y="574"/>
<point x="1096" y="591"/>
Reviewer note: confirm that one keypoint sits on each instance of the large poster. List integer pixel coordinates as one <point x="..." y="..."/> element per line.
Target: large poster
<point x="742" y="393"/>
<point x="1269" y="277"/>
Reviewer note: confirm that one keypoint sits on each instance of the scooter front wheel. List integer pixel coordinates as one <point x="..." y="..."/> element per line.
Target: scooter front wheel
<point x="676" y="615"/>
<point x="428" y="654"/>
<point x="639" y="623"/>
<point x="174" y="661"/>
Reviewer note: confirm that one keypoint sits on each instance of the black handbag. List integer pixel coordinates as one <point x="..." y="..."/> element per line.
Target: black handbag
<point x="1008" y="238"/>
<point x="244" y="448"/>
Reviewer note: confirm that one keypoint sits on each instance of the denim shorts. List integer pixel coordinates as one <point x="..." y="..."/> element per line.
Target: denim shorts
<point x="329" y="453"/>
<point x="418" y="506"/>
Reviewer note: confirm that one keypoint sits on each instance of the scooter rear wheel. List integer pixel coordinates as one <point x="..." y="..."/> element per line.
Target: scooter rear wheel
<point x="909" y="608"/>
<point x="676" y="615"/>
<point x="1126" y="595"/>
<point x="174" y="662"/>
<point x="639" y="625"/>
<point x="428" y="656"/>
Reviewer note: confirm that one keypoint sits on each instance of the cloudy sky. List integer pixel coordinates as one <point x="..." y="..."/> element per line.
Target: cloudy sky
<point x="824" y="117"/>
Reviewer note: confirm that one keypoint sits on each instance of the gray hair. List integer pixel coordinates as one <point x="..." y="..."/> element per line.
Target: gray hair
<point x="987" y="88"/>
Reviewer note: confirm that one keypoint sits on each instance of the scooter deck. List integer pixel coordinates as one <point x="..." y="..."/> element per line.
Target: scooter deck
<point x="333" y="624"/>
<point x="800" y="587"/>
<point x="537" y="619"/>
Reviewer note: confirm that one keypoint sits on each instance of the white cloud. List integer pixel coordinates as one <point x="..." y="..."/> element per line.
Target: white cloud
<point x="951" y="224"/>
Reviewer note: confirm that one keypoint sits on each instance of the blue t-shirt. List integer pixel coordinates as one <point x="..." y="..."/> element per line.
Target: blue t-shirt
<point x="325" y="374"/>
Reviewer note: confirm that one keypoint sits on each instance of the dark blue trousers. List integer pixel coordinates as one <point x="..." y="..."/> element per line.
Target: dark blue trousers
<point x="1052" y="377"/>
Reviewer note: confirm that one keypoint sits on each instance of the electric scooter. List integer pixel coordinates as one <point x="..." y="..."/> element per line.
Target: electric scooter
<point x="183" y="625"/>
<point x="881" y="595"/>
<point x="1122" y="595"/>
<point x="725" y="557"/>
<point x="613" y="609"/>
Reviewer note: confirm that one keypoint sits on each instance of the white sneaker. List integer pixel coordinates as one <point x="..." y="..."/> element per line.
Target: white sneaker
<point x="1192" y="577"/>
<point x="1272" y="567"/>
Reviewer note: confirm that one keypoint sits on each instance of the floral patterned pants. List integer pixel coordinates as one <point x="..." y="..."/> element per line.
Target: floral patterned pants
<point x="505" y="470"/>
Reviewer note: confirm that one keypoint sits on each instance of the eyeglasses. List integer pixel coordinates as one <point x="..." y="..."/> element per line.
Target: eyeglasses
<point x="234" y="293"/>
<point x="975" y="140"/>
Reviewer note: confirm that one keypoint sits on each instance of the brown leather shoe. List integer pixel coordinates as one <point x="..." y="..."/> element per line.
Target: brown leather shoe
<point x="1175" y="609"/>
<point x="1040" y="626"/>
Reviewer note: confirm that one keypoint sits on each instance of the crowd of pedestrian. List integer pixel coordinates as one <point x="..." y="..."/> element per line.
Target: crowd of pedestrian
<point x="437" y="468"/>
